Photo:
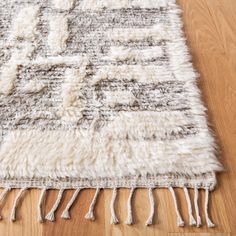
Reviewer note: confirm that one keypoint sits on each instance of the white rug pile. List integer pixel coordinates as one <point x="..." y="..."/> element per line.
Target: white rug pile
<point x="100" y="94"/>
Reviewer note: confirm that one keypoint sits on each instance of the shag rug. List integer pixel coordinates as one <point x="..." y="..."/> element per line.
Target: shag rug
<point x="101" y="94"/>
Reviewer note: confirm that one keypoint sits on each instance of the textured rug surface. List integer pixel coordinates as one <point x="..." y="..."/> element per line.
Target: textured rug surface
<point x="101" y="94"/>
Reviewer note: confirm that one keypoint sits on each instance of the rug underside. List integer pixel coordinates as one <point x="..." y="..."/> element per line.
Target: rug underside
<point x="101" y="94"/>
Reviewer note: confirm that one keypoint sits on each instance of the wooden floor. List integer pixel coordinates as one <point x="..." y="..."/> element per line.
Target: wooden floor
<point x="210" y="27"/>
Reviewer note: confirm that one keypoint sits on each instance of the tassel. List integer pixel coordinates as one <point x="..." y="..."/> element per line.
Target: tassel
<point x="190" y="212"/>
<point x="129" y="220"/>
<point x="114" y="219"/>
<point x="41" y="198"/>
<point x="208" y="220"/>
<point x="51" y="215"/>
<point x="90" y="213"/>
<point x="199" y="220"/>
<point x="180" y="221"/>
<point x="3" y="196"/>
<point x="16" y="201"/>
<point x="66" y="213"/>
<point x="152" y="208"/>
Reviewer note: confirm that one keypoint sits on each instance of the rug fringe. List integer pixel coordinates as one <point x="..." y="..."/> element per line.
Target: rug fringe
<point x="152" y="208"/>
<point x="199" y="220"/>
<point x="210" y="224"/>
<point x="180" y="221"/>
<point x="66" y="213"/>
<point x="40" y="203"/>
<point x="51" y="214"/>
<point x="129" y="220"/>
<point x="192" y="221"/>
<point x="114" y="220"/>
<point x="15" y="204"/>
<point x="90" y="213"/>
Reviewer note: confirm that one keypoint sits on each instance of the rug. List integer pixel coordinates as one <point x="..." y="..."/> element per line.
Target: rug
<point x="101" y="94"/>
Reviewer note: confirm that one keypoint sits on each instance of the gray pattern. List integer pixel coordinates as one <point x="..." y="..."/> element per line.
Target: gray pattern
<point x="87" y="37"/>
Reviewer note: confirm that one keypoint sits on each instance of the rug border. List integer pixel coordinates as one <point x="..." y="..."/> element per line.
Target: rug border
<point x="202" y="181"/>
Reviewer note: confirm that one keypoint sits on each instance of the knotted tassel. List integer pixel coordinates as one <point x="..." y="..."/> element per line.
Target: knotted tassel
<point x="15" y="203"/>
<point x="129" y="220"/>
<point x="180" y="221"/>
<point x="3" y="196"/>
<point x="90" y="213"/>
<point x="152" y="207"/>
<point x="66" y="213"/>
<point x="41" y="198"/>
<point x="114" y="219"/>
<point x="199" y="220"/>
<point x="51" y="215"/>
<point x="208" y="220"/>
<point x="190" y="212"/>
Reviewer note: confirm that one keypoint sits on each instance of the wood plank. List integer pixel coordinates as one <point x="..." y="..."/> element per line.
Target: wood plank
<point x="27" y="222"/>
<point x="212" y="39"/>
<point x="199" y="234"/>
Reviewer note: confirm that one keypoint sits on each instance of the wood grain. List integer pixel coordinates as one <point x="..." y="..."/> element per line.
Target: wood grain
<point x="210" y="27"/>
